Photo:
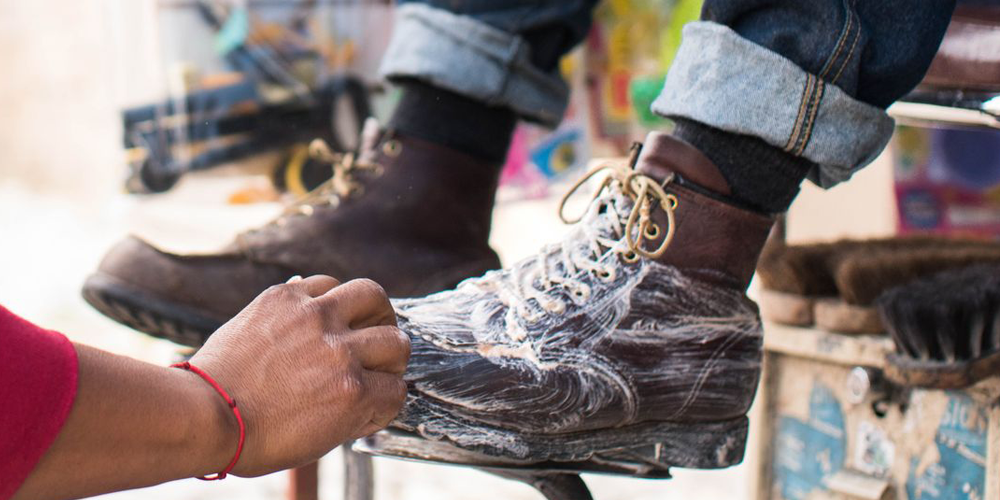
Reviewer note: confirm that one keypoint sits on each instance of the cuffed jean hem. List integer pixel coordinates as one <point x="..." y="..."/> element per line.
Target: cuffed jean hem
<point x="473" y="59"/>
<point x="728" y="82"/>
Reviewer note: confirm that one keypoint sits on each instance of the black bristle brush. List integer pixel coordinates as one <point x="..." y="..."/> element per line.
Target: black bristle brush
<point x="946" y="326"/>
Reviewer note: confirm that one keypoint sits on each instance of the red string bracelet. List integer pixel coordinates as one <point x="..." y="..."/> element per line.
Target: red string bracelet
<point x="232" y="405"/>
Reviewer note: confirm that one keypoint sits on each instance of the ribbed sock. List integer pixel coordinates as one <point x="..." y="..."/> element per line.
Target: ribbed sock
<point x="451" y="120"/>
<point x="760" y="176"/>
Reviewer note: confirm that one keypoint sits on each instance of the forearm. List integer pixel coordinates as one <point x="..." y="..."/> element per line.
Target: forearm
<point x="133" y="424"/>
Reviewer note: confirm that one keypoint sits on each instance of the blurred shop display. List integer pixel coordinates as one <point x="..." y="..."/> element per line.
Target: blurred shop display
<point x="631" y="48"/>
<point x="614" y="78"/>
<point x="947" y="179"/>
<point x="224" y="82"/>
<point x="237" y="79"/>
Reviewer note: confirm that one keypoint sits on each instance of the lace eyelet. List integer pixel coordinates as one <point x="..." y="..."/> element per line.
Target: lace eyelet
<point x="630" y="257"/>
<point x="673" y="201"/>
<point x="652" y="231"/>
<point x="605" y="275"/>
<point x="392" y="148"/>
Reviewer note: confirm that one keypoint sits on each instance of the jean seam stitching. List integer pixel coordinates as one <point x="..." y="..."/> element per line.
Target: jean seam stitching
<point x="803" y="102"/>
<point x="814" y="110"/>
<point x="850" y="53"/>
<point x="840" y="43"/>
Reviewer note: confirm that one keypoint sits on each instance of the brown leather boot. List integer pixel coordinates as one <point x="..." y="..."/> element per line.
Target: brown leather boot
<point x="411" y="215"/>
<point x="628" y="347"/>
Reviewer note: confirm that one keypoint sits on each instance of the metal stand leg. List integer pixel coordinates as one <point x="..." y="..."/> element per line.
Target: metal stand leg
<point x="359" y="478"/>
<point x="304" y="482"/>
<point x="555" y="486"/>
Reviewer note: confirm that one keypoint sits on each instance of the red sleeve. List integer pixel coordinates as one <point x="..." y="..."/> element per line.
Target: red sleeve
<point x="38" y="375"/>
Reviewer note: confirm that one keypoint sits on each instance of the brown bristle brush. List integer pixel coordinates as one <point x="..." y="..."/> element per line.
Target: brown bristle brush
<point x="861" y="277"/>
<point x="946" y="327"/>
<point x="833" y="285"/>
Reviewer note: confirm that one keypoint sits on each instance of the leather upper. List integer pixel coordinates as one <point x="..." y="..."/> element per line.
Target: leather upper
<point x="419" y="223"/>
<point x="711" y="234"/>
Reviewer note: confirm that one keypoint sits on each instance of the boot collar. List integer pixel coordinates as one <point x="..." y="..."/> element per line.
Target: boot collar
<point x="711" y="235"/>
<point x="663" y="155"/>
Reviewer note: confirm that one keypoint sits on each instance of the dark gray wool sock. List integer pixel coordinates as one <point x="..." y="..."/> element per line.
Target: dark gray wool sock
<point x="449" y="119"/>
<point x="761" y="176"/>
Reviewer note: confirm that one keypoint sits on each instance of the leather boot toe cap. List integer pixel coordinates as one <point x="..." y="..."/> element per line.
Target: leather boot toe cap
<point x="221" y="284"/>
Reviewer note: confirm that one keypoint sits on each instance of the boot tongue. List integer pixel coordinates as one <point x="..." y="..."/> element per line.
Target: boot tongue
<point x="663" y="154"/>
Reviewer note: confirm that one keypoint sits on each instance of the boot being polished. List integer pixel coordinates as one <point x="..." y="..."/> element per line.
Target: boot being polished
<point x="378" y="217"/>
<point x="630" y="345"/>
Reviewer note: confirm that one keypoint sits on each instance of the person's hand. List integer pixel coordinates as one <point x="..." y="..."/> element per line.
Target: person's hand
<point x="311" y="364"/>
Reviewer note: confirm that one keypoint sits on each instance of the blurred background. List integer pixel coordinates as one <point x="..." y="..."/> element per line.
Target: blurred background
<point x="90" y="151"/>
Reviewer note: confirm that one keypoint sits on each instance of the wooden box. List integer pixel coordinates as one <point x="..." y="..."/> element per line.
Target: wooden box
<point x="829" y="427"/>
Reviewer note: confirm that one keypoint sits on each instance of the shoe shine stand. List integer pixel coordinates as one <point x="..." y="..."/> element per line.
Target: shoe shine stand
<point x="551" y="480"/>
<point x="359" y="480"/>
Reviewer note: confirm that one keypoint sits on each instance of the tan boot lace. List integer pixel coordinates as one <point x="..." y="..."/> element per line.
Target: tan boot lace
<point x="345" y="166"/>
<point x="645" y="192"/>
<point x="343" y="184"/>
<point x="603" y="230"/>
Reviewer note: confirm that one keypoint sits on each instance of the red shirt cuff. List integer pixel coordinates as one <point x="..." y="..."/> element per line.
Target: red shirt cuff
<point x="38" y="379"/>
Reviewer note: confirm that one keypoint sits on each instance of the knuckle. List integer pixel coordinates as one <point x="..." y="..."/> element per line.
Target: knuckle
<point x="367" y="286"/>
<point x="326" y="314"/>
<point x="351" y="388"/>
<point x="271" y="291"/>
<point x="277" y="291"/>
<point x="340" y="350"/>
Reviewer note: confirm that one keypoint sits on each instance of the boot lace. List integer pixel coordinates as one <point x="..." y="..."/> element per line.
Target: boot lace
<point x="343" y="184"/>
<point x="603" y="231"/>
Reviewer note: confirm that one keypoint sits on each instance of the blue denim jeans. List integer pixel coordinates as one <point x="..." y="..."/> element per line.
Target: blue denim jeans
<point x="812" y="77"/>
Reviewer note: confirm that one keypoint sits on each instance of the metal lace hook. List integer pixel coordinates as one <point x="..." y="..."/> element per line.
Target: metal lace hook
<point x="647" y="192"/>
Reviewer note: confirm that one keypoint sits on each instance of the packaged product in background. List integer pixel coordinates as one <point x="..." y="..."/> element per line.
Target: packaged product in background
<point x="948" y="180"/>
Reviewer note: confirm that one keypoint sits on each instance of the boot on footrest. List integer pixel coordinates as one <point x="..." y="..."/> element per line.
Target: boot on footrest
<point x="630" y="346"/>
<point x="411" y="215"/>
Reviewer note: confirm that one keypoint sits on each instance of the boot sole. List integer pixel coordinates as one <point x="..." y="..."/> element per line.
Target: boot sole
<point x="147" y="313"/>
<point x="703" y="445"/>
